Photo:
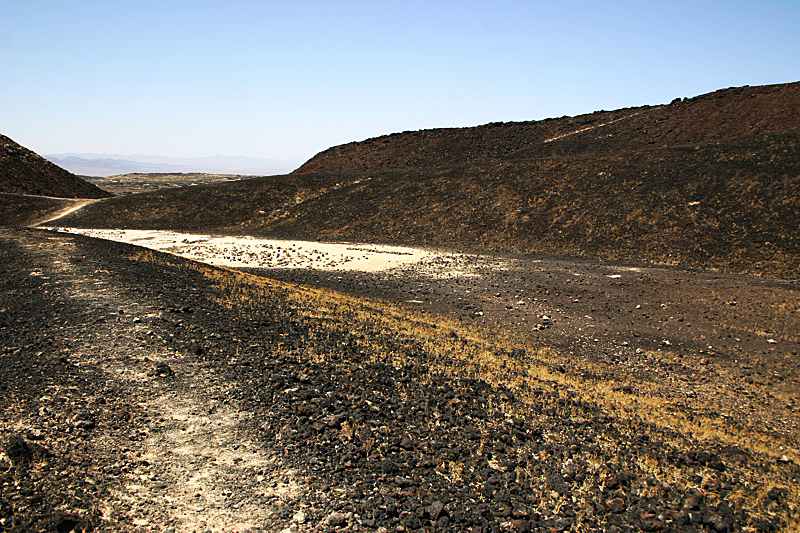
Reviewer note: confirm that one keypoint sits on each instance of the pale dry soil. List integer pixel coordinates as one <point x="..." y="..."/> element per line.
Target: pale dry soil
<point x="254" y="252"/>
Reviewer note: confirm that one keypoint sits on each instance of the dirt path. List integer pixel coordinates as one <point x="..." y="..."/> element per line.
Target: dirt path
<point x="72" y="206"/>
<point x="203" y="470"/>
<point x="589" y="128"/>
<point x="168" y="452"/>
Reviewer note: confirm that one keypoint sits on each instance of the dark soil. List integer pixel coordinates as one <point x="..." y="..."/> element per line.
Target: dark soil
<point x="148" y="393"/>
<point x="19" y="210"/>
<point x="25" y="172"/>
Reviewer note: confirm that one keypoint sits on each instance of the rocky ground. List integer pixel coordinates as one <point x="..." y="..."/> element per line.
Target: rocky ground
<point x="681" y="335"/>
<point x="142" y="392"/>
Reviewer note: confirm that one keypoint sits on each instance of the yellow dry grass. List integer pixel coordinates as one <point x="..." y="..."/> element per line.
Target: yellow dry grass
<point x="474" y="352"/>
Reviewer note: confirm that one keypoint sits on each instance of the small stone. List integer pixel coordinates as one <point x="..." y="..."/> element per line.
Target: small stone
<point x="717" y="523"/>
<point x="435" y="509"/>
<point x="163" y="369"/>
<point x="652" y="525"/>
<point x="195" y="349"/>
<point x="300" y="517"/>
<point x="32" y="434"/>
<point x="520" y="512"/>
<point x="84" y="420"/>
<point x="555" y="482"/>
<point x="521" y="526"/>
<point x="616" y="505"/>
<point x="693" y="502"/>
<point x="84" y="424"/>
<point x="17" y="450"/>
<point x="336" y="519"/>
<point x="777" y="494"/>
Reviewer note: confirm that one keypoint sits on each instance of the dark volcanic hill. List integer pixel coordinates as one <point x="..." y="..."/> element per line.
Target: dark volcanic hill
<point x="25" y="172"/>
<point x="724" y="114"/>
<point x="730" y="205"/>
<point x="709" y="182"/>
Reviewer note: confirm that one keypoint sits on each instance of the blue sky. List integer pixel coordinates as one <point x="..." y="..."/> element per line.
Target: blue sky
<point x="287" y="79"/>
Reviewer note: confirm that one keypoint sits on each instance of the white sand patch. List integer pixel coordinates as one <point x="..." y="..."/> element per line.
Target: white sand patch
<point x="254" y="252"/>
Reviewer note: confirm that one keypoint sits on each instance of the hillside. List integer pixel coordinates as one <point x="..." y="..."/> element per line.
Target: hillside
<point x="29" y="210"/>
<point x="206" y="399"/>
<point x="566" y="384"/>
<point x="25" y="172"/>
<point x="724" y="114"/>
<point x="729" y="205"/>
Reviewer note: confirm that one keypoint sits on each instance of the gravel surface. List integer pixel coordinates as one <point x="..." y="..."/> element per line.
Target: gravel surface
<point x="144" y="392"/>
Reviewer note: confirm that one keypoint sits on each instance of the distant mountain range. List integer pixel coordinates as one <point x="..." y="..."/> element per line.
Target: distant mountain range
<point x="88" y="164"/>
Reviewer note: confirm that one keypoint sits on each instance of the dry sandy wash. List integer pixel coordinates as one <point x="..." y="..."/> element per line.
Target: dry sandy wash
<point x="254" y="252"/>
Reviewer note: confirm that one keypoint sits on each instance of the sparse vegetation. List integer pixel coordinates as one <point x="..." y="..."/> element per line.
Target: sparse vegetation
<point x="436" y="347"/>
<point x="136" y="183"/>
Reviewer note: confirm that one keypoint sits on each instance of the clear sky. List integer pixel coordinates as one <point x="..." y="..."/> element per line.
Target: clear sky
<point x="286" y="79"/>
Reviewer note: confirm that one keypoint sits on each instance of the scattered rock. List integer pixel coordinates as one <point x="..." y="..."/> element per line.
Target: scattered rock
<point x="337" y="519"/>
<point x="18" y="451"/>
<point x="195" y="349"/>
<point x="435" y="510"/>
<point x="555" y="482"/>
<point x="84" y="420"/>
<point x="162" y="369"/>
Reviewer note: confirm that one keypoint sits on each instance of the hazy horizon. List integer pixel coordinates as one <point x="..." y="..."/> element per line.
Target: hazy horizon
<point x="104" y="165"/>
